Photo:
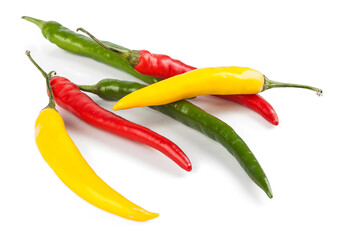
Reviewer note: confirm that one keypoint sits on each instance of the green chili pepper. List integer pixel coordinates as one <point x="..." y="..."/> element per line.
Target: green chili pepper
<point x="194" y="117"/>
<point x="85" y="46"/>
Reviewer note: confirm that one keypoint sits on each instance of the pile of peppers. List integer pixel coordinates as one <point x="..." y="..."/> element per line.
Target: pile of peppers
<point x="171" y="82"/>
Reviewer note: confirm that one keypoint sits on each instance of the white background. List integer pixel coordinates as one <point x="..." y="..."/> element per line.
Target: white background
<point x="289" y="41"/>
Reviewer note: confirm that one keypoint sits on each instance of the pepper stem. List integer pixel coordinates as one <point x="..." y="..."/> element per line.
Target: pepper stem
<point x="131" y="56"/>
<point x="51" y="103"/>
<point x="268" y="84"/>
<point x="38" y="22"/>
<point x="88" y="88"/>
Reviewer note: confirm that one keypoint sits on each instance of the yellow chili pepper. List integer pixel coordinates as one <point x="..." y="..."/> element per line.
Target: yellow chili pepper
<point x="65" y="159"/>
<point x="216" y="81"/>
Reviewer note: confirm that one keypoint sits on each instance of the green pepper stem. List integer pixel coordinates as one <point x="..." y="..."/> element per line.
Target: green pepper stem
<point x="88" y="88"/>
<point x="38" y="22"/>
<point x="119" y="51"/>
<point x="48" y="76"/>
<point x="268" y="84"/>
<point x="131" y="56"/>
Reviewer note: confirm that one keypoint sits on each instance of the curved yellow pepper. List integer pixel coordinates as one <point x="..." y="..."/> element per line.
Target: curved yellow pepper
<point x="64" y="158"/>
<point x="216" y="81"/>
<point x="62" y="155"/>
<point x="221" y="80"/>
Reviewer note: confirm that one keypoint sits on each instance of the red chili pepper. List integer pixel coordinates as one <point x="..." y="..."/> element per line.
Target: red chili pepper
<point x="162" y="66"/>
<point x="68" y="96"/>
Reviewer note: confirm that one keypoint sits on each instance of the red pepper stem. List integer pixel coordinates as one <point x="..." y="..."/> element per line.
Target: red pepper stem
<point x="268" y="84"/>
<point x="38" y="22"/>
<point x="131" y="56"/>
<point x="51" y="103"/>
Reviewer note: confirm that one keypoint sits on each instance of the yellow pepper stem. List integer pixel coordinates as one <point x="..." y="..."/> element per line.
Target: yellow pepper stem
<point x="268" y="84"/>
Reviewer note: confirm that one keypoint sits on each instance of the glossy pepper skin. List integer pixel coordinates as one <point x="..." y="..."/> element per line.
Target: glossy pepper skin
<point x="203" y="81"/>
<point x="194" y="117"/>
<point x="159" y="65"/>
<point x="68" y="96"/>
<point x="141" y="64"/>
<point x="62" y="155"/>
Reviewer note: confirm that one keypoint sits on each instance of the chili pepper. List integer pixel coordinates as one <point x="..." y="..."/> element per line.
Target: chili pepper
<point x="82" y="45"/>
<point x="79" y="44"/>
<point x="68" y="96"/>
<point x="62" y="155"/>
<point x="220" y="80"/>
<point x="194" y="117"/>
